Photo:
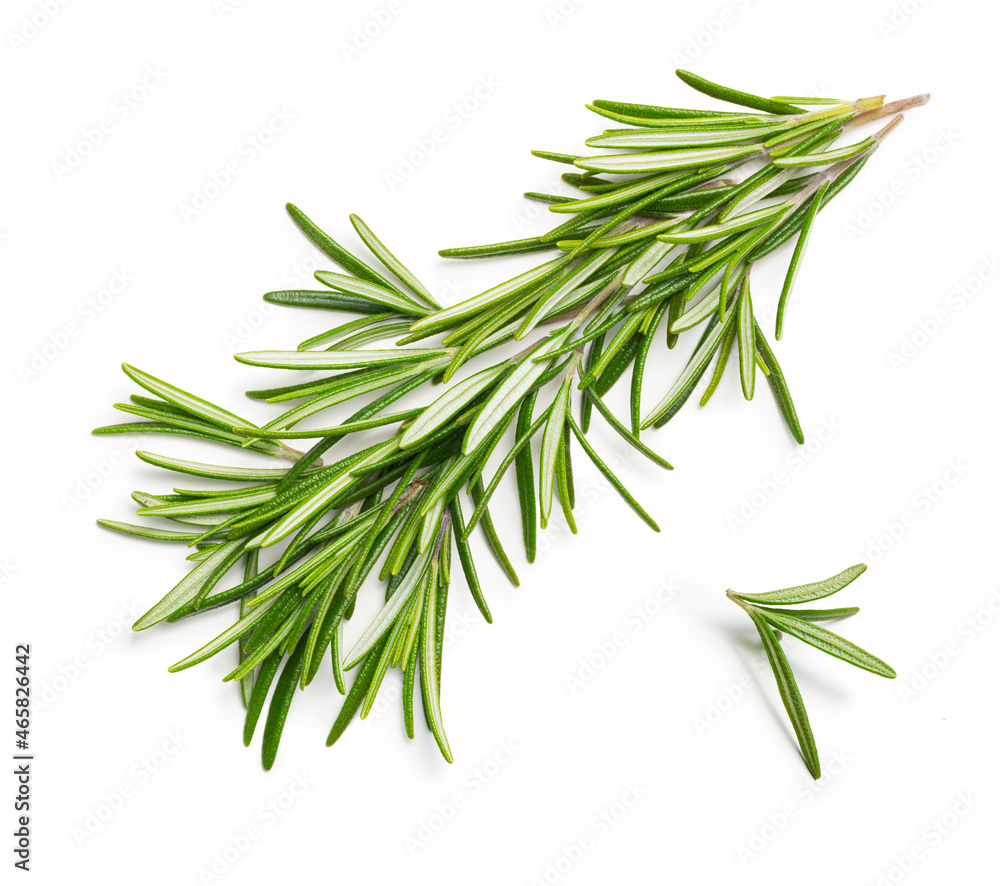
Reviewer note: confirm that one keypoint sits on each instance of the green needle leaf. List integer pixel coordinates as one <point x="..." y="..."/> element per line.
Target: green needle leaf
<point x="746" y="340"/>
<point x="149" y="531"/>
<point x="766" y="184"/>
<point x="720" y="364"/>
<point x="188" y="587"/>
<point x="821" y="158"/>
<point x="272" y="634"/>
<point x="429" y="672"/>
<point x="694" y="369"/>
<point x="508" y="247"/>
<point x="224" y="639"/>
<point x="659" y="161"/>
<point x="490" y="533"/>
<point x="334" y="250"/>
<point x="789" y="692"/>
<point x="735" y="96"/>
<point x="521" y="445"/>
<point x="675" y="138"/>
<point x="465" y="557"/>
<point x="447" y="405"/>
<point x="325" y="301"/>
<point x="525" y="476"/>
<point x="361" y="326"/>
<point x="261" y="685"/>
<point x="357" y="693"/>
<point x="700" y="311"/>
<point x="508" y="395"/>
<point x="370" y="291"/>
<point x="793" y="265"/>
<point x="277" y="713"/>
<point x="828" y="642"/>
<point x="644" y="264"/>
<point x="220" y="472"/>
<point x="492" y="297"/>
<point x="619" y="195"/>
<point x="553" y="298"/>
<point x="323" y="631"/>
<point x="388" y="613"/>
<point x="776" y="379"/>
<point x="612" y="479"/>
<point x="818" y="614"/>
<point x="391" y="262"/>
<point x="209" y="505"/>
<point x="409" y="681"/>
<point x="551" y="439"/>
<point x="731" y="226"/>
<point x="188" y="402"/>
<point x="554" y="156"/>
<point x="334" y="360"/>
<point x="654" y="112"/>
<point x="381" y="668"/>
<point x="623" y="432"/>
<point x="320" y="499"/>
<point x="564" y="480"/>
<point x="805" y="593"/>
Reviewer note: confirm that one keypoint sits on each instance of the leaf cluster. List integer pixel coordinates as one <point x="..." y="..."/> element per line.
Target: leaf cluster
<point x="770" y="616"/>
<point x="661" y="239"/>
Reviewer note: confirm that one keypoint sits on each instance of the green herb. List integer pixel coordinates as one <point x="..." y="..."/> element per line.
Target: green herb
<point x="769" y="619"/>
<point x="665" y="250"/>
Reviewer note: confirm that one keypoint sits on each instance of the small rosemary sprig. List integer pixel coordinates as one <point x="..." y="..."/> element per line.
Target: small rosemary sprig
<point x="673" y="242"/>
<point x="771" y="619"/>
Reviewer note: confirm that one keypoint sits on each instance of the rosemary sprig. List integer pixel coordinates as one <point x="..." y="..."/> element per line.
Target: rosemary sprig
<point x="672" y="243"/>
<point x="397" y="502"/>
<point x="770" y="618"/>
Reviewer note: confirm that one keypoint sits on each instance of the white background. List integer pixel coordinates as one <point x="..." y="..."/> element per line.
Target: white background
<point x="722" y="802"/>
